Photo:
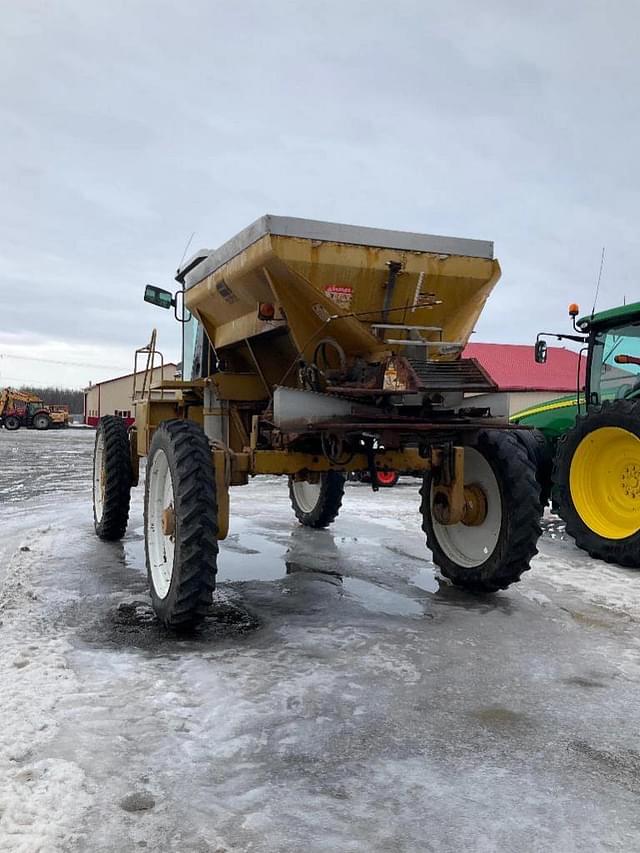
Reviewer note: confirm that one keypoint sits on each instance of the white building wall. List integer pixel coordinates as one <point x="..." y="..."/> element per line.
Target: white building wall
<point x="114" y="396"/>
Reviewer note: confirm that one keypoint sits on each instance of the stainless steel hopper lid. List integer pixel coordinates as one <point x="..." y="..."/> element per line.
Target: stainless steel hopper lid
<point x="206" y="261"/>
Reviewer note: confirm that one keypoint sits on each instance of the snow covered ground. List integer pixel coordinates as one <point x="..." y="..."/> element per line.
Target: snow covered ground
<point x="339" y="698"/>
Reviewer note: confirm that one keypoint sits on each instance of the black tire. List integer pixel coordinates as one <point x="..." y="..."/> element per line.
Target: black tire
<point x="111" y="519"/>
<point x="327" y="504"/>
<point x="624" y="414"/>
<point x="41" y="421"/>
<point x="192" y="572"/>
<point x="11" y="422"/>
<point x="540" y="454"/>
<point x="514" y="523"/>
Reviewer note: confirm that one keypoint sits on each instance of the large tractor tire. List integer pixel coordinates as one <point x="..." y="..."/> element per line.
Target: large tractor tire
<point x="112" y="478"/>
<point x="494" y="551"/>
<point x="596" y="482"/>
<point x="317" y="504"/>
<point x="540" y="454"/>
<point x="41" y="421"/>
<point x="180" y="524"/>
<point x="11" y="422"/>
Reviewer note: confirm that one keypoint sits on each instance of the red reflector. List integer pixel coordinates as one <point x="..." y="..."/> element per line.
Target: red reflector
<point x="266" y="311"/>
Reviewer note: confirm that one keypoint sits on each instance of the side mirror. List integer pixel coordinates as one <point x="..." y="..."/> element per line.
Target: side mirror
<point x="541" y="352"/>
<point x="158" y="296"/>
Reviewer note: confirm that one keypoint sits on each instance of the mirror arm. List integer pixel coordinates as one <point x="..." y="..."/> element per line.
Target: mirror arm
<point x="580" y="339"/>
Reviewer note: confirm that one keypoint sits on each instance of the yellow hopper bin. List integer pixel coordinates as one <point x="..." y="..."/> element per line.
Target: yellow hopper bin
<point x="273" y="293"/>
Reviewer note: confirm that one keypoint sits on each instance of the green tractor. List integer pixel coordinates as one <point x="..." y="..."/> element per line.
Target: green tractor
<point x="587" y="445"/>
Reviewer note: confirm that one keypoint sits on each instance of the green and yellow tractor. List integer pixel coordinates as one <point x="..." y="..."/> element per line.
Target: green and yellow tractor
<point x="589" y="458"/>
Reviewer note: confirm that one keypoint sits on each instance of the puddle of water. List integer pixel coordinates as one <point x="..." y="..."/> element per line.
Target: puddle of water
<point x="134" y="553"/>
<point x="498" y="717"/>
<point x="244" y="556"/>
<point x="376" y="599"/>
<point x="249" y="557"/>
<point x="583" y="681"/>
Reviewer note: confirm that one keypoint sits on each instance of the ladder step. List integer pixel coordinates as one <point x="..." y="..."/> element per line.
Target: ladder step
<point x="407" y="342"/>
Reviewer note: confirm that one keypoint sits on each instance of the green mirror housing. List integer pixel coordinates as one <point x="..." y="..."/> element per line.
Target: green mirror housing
<point x="158" y="296"/>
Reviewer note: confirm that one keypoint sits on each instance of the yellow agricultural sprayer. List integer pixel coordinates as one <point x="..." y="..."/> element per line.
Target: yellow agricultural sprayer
<point x="312" y="350"/>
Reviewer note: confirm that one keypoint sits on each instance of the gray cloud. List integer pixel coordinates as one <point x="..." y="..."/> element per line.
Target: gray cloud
<point x="126" y="126"/>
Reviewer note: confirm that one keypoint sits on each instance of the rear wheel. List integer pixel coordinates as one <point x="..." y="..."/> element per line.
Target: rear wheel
<point x="112" y="478"/>
<point x="494" y="548"/>
<point x="12" y="422"/>
<point x="596" y="480"/>
<point x="41" y="421"/>
<point x="317" y="504"/>
<point x="180" y="524"/>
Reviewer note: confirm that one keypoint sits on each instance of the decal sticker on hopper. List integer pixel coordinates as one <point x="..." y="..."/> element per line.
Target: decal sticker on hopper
<point x="340" y="294"/>
<point x="225" y="291"/>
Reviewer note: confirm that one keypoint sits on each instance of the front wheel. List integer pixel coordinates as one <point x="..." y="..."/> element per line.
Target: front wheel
<point x="596" y="482"/>
<point x="180" y="524"/>
<point x="41" y="421"/>
<point x="317" y="504"/>
<point x="11" y="422"/>
<point x="111" y="478"/>
<point x="494" y="547"/>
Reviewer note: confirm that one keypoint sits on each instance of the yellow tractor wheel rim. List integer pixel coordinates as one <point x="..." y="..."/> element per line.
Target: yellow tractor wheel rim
<point x="604" y="479"/>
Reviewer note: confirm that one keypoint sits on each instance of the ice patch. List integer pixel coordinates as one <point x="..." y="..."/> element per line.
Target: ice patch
<point x="41" y="799"/>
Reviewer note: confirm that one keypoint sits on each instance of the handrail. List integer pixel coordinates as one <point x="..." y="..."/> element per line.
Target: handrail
<point x="147" y="377"/>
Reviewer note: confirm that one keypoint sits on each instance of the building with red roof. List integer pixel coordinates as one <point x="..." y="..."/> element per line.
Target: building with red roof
<point x="521" y="380"/>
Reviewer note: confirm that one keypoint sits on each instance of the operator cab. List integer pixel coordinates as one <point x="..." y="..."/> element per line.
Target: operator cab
<point x="615" y="363"/>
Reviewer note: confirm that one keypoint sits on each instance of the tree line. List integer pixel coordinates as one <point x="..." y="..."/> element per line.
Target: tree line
<point x="58" y="396"/>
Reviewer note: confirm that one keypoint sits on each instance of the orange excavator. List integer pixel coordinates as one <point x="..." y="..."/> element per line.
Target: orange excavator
<point x="24" y="409"/>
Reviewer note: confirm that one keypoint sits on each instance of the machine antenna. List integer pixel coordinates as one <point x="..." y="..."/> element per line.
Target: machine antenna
<point x="186" y="248"/>
<point x="595" y="298"/>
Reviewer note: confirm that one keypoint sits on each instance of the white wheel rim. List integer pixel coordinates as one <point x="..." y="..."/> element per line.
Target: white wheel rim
<point x="306" y="495"/>
<point x="471" y="546"/>
<point x="98" y="477"/>
<point x="160" y="548"/>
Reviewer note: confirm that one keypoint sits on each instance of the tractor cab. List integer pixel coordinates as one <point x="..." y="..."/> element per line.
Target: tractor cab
<point x="613" y="368"/>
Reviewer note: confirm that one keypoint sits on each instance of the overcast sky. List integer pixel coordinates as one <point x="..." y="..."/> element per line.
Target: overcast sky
<point x="126" y="126"/>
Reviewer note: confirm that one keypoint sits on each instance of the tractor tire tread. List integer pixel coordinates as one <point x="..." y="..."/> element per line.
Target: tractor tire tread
<point x="117" y="496"/>
<point x="540" y="453"/>
<point x="189" y="599"/>
<point x="326" y="510"/>
<point x="520" y="522"/>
